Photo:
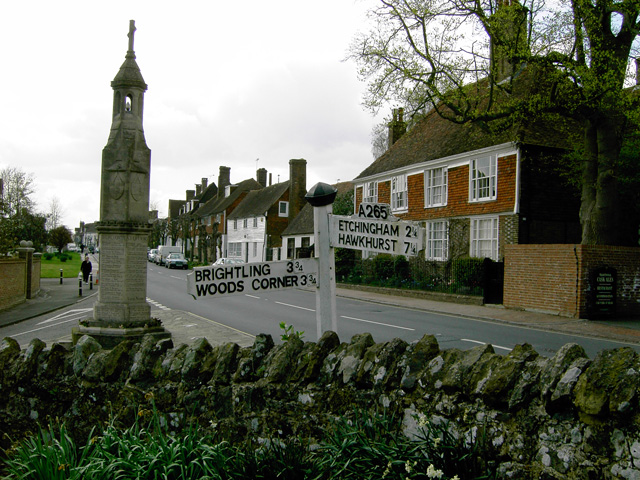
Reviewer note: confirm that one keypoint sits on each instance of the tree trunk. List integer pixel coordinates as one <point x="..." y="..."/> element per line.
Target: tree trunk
<point x="599" y="212"/>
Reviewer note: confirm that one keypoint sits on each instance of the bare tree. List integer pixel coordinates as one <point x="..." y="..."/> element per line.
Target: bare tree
<point x="18" y="187"/>
<point x="56" y="212"/>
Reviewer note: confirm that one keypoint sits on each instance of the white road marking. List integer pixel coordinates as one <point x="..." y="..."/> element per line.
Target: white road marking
<point x="71" y="313"/>
<point x="44" y="328"/>
<point x="157" y="304"/>
<point x="377" y="323"/>
<point x="252" y="296"/>
<point x="485" y="343"/>
<point x="295" y="306"/>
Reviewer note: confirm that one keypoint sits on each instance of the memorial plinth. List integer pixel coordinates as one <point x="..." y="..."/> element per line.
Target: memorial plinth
<point x="121" y="312"/>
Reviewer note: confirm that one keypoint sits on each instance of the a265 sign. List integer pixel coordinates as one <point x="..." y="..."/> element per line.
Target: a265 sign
<point x="374" y="229"/>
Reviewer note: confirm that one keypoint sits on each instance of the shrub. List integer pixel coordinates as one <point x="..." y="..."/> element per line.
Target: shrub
<point x="468" y="271"/>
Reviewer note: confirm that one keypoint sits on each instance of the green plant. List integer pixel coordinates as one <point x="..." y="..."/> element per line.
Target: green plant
<point x="289" y="332"/>
<point x="468" y="271"/>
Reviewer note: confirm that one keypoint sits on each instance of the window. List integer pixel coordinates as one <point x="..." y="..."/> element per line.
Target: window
<point x="283" y="209"/>
<point x="235" y="224"/>
<point x="483" y="178"/>
<point x="437" y="247"/>
<point x="255" y="249"/>
<point x="244" y="223"/>
<point x="399" y="193"/>
<point x="235" y="249"/>
<point x="255" y="222"/>
<point x="306" y="242"/>
<point x="370" y="192"/>
<point x="435" y="187"/>
<point x="484" y="238"/>
<point x="291" y="247"/>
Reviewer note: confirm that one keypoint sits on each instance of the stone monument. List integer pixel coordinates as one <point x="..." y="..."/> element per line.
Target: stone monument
<point x="122" y="312"/>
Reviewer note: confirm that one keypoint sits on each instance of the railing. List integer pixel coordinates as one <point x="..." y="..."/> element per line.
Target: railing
<point x="466" y="276"/>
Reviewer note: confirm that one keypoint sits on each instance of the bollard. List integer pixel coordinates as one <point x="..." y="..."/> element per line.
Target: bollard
<point x="79" y="285"/>
<point x="91" y="281"/>
<point x="60" y="276"/>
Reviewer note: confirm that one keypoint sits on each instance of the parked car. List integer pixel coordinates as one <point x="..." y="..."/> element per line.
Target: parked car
<point x="164" y="251"/>
<point x="176" y="260"/>
<point x="151" y="255"/>
<point x="227" y="261"/>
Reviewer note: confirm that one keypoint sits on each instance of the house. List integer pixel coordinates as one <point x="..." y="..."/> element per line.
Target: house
<point x="180" y="210"/>
<point x="255" y="227"/>
<point x="298" y="237"/>
<point x="213" y="214"/>
<point x="476" y="190"/>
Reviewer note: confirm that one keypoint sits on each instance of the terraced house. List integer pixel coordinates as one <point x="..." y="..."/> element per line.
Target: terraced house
<point x="255" y="227"/>
<point x="475" y="191"/>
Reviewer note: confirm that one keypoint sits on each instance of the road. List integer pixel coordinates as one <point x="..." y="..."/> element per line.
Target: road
<point x="255" y="314"/>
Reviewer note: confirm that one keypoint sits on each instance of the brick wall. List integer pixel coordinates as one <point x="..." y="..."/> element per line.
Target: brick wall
<point x="12" y="282"/>
<point x="36" y="270"/>
<point x="555" y="278"/>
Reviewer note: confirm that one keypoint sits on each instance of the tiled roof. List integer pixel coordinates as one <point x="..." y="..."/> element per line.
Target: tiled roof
<point x="302" y="223"/>
<point x="434" y="138"/>
<point x="218" y="205"/>
<point x="257" y="202"/>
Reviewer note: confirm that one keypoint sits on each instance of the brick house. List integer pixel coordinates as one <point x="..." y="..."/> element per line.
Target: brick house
<point x="474" y="191"/>
<point x="213" y="214"/>
<point x="255" y="227"/>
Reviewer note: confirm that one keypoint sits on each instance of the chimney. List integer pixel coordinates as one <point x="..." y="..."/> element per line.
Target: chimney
<point x="223" y="180"/>
<point x="397" y="126"/>
<point x="261" y="176"/>
<point x="509" y="38"/>
<point x="198" y="189"/>
<point x="205" y="184"/>
<point x="297" y="186"/>
<point x="270" y="179"/>
<point x="190" y="195"/>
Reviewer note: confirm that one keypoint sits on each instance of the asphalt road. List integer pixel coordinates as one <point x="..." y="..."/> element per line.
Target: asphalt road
<point x="255" y="314"/>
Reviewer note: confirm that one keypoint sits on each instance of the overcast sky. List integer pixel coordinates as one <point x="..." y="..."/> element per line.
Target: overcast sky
<point x="228" y="83"/>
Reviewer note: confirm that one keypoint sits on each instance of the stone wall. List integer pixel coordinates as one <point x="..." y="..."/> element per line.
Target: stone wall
<point x="555" y="278"/>
<point x="565" y="417"/>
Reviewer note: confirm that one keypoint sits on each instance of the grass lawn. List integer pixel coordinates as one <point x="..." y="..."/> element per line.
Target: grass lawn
<point x="70" y="268"/>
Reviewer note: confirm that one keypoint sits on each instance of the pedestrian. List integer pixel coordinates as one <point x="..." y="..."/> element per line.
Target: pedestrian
<point x="85" y="268"/>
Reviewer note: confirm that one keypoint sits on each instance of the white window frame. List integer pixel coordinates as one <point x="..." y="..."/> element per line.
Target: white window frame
<point x="234" y="249"/>
<point x="283" y="212"/>
<point x="483" y="179"/>
<point x="437" y="240"/>
<point x="485" y="237"/>
<point x="436" y="188"/>
<point x="255" y="222"/>
<point x="399" y="193"/>
<point x="235" y="223"/>
<point x="245" y="222"/>
<point x="370" y="192"/>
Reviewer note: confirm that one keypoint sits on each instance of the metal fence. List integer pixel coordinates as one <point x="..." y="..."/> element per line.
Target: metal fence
<point x="465" y="276"/>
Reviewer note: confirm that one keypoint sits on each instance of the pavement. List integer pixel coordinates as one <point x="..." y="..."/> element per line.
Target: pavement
<point x="55" y="295"/>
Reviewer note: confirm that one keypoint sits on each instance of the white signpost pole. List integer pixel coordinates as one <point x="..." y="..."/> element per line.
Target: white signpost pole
<point x="321" y="197"/>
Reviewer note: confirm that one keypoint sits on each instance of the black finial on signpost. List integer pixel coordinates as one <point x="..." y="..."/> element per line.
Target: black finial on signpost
<point x="321" y="194"/>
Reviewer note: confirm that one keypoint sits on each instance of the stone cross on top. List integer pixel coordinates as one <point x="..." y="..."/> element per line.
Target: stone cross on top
<point x="132" y="29"/>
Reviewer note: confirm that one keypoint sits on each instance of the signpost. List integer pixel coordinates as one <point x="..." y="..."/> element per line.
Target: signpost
<point x="373" y="229"/>
<point x="236" y="279"/>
